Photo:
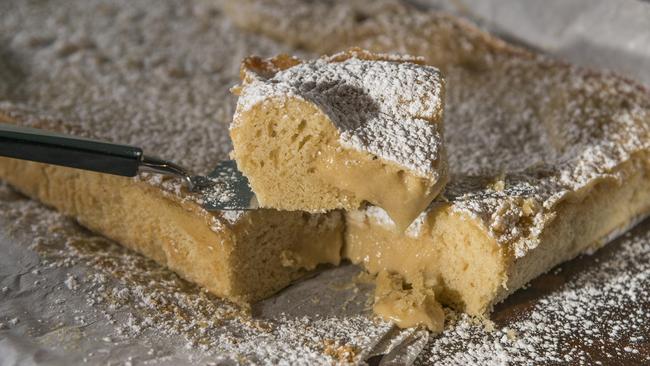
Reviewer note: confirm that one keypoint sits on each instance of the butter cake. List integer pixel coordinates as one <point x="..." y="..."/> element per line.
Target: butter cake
<point x="339" y="131"/>
<point x="547" y="160"/>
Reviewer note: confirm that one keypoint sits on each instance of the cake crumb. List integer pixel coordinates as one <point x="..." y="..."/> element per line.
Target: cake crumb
<point x="71" y="282"/>
<point x="340" y="352"/>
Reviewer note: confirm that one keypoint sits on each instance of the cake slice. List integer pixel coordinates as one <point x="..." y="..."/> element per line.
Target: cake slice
<point x="546" y="160"/>
<point x="339" y="131"/>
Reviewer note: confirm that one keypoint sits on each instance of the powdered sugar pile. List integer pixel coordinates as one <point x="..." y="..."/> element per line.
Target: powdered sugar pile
<point x="389" y="109"/>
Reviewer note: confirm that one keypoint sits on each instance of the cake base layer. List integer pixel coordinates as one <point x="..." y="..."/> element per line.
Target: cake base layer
<point x="456" y="256"/>
<point x="245" y="261"/>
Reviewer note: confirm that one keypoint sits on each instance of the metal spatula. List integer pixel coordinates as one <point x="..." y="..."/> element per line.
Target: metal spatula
<point x="225" y="188"/>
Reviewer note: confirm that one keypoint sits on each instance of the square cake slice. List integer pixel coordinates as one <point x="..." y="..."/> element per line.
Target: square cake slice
<point x="341" y="130"/>
<point x="546" y="160"/>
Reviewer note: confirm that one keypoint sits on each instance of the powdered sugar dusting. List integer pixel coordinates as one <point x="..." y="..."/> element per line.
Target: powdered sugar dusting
<point x="389" y="109"/>
<point x="594" y="319"/>
<point x="381" y="217"/>
<point x="544" y="137"/>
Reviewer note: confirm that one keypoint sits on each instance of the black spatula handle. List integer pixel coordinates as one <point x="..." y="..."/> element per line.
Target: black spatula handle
<point x="76" y="152"/>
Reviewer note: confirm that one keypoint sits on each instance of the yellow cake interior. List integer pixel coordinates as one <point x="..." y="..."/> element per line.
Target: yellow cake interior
<point x="503" y="103"/>
<point x="450" y="254"/>
<point x="291" y="155"/>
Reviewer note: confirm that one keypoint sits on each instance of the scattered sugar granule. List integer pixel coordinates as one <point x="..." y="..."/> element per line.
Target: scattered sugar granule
<point x="71" y="282"/>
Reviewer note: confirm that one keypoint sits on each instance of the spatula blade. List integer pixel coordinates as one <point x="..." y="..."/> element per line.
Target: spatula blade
<point x="225" y="188"/>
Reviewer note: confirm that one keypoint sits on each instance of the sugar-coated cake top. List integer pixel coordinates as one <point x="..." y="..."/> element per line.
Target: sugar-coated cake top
<point x="386" y="105"/>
